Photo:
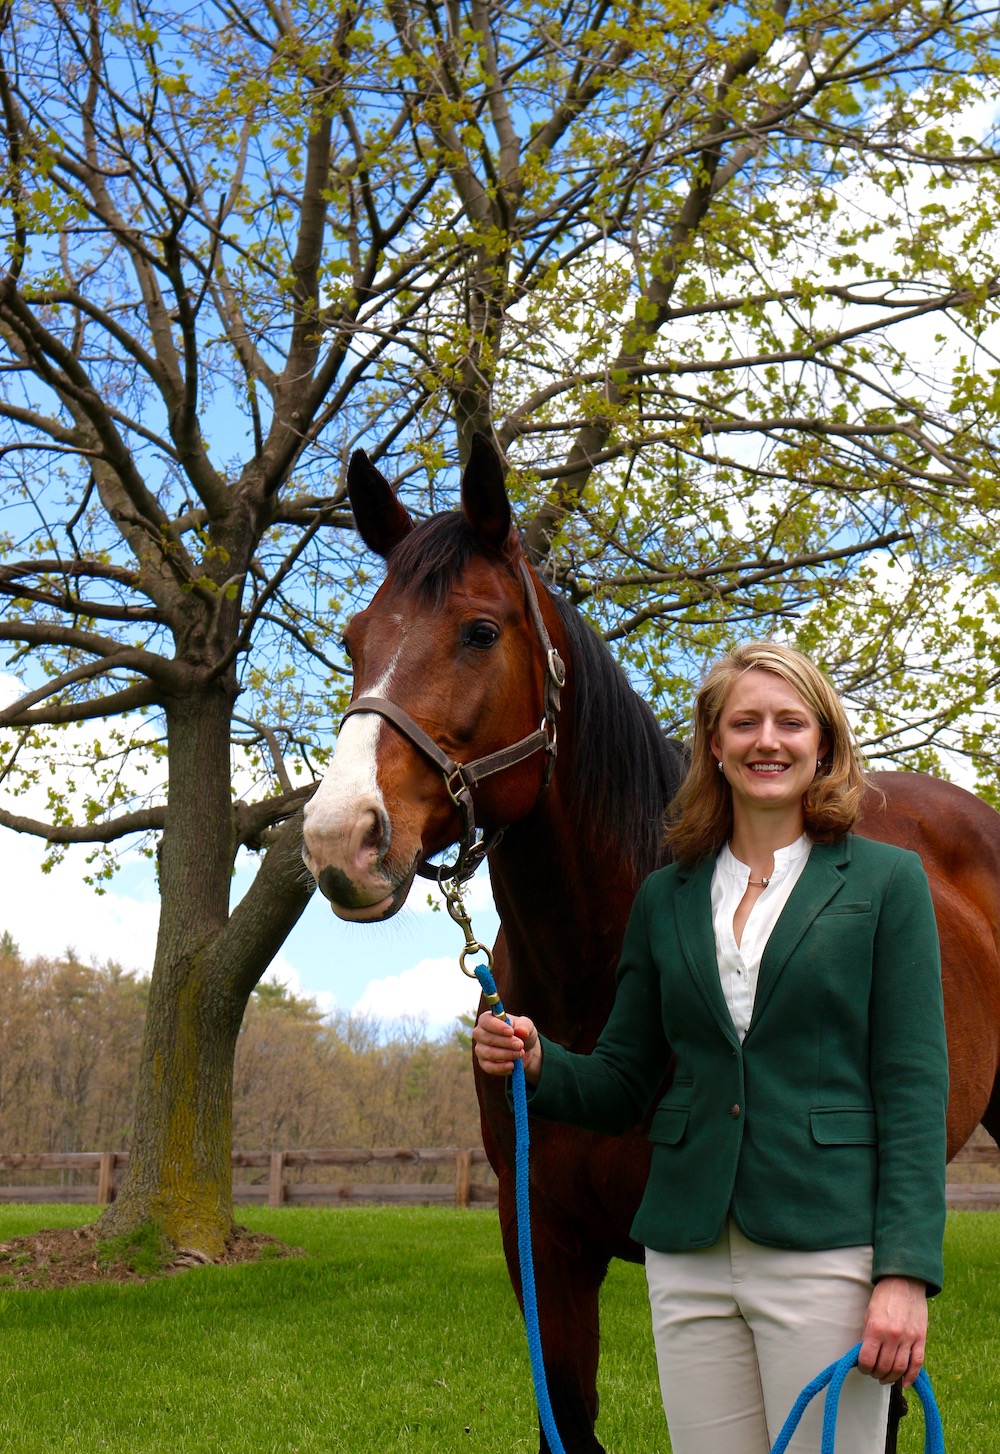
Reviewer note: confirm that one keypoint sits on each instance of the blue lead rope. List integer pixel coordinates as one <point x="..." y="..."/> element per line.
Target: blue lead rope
<point x="524" y="1256"/>
<point x="834" y="1376"/>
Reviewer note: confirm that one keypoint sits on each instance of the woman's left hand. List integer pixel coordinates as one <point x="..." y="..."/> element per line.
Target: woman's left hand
<point x="895" y="1332"/>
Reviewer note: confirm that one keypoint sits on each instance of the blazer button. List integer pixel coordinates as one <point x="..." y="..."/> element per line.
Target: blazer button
<point x="734" y="1111"/>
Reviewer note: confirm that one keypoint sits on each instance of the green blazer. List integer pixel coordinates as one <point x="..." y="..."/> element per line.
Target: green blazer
<point x="826" y="1127"/>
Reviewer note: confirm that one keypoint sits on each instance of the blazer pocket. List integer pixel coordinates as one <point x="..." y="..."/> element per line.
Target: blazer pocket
<point x="862" y="906"/>
<point x="668" y="1125"/>
<point x="844" y="1126"/>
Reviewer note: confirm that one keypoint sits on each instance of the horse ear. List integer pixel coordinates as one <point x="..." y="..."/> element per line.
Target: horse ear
<point x="484" y="498"/>
<point x="381" y="520"/>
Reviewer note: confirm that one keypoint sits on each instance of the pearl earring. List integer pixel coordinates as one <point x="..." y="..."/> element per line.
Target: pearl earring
<point x="720" y="766"/>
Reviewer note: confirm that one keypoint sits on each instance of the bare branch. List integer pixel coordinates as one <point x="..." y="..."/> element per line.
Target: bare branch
<point x="754" y="577"/>
<point x="143" y="820"/>
<point x="115" y="704"/>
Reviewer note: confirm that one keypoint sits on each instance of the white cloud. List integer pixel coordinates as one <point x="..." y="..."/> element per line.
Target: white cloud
<point x="434" y="990"/>
<point x="10" y="689"/>
<point x="46" y="914"/>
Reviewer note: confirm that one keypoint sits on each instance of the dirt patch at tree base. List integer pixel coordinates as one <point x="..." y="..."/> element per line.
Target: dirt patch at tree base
<point x="73" y="1256"/>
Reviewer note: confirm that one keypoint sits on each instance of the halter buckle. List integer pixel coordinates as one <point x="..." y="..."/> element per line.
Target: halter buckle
<point x="455" y="792"/>
<point x="549" y="729"/>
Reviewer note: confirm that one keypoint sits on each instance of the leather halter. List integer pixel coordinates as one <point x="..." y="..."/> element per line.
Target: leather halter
<point x="461" y="777"/>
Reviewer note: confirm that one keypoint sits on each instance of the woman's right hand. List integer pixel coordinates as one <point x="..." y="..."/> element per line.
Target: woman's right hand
<point x="498" y="1043"/>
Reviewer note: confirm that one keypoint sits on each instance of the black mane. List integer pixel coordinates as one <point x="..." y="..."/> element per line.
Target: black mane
<point x="627" y="770"/>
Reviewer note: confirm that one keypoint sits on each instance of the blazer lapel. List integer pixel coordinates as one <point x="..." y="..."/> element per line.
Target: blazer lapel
<point x="822" y="876"/>
<point x="693" y="912"/>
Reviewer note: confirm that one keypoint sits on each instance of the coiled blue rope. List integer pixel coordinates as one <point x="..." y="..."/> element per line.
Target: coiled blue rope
<point x="522" y="1203"/>
<point x="834" y="1377"/>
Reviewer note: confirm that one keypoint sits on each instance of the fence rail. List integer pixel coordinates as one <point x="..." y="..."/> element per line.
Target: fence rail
<point x="101" y="1170"/>
<point x="981" y="1196"/>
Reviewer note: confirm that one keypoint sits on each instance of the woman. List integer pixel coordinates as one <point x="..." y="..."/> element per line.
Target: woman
<point x="795" y="1199"/>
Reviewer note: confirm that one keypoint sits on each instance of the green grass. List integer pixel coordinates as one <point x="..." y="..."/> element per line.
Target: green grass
<point x="398" y="1330"/>
<point x="963" y="1357"/>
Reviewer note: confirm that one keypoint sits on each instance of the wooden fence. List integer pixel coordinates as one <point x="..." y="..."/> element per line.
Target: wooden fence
<point x="92" y="1176"/>
<point x="974" y="1184"/>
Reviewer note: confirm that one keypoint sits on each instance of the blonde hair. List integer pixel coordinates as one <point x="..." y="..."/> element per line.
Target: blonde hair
<point x="700" y="818"/>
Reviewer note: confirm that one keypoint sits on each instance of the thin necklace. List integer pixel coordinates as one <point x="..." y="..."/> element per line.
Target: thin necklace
<point x="759" y="883"/>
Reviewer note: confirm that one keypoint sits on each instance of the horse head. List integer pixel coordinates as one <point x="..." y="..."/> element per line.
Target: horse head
<point x="454" y="671"/>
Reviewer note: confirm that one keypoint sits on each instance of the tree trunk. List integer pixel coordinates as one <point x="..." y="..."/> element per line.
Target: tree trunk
<point x="207" y="963"/>
<point x="179" y="1173"/>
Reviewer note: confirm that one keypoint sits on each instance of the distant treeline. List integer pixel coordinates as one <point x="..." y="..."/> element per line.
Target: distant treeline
<point x="69" y="1048"/>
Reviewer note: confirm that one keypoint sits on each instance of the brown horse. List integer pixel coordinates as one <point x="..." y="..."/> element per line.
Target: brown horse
<point x="458" y="659"/>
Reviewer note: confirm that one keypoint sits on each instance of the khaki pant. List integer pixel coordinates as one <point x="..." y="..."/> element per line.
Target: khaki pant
<point x="741" y="1329"/>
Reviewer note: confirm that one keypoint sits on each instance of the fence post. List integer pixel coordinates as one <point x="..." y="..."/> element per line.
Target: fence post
<point x="106" y="1178"/>
<point x="276" y="1180"/>
<point x="463" y="1177"/>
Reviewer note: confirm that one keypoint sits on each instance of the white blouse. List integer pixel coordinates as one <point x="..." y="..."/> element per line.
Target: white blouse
<point x="739" y="964"/>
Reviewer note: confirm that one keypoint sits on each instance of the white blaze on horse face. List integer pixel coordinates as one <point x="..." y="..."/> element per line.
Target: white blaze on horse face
<point x="344" y="819"/>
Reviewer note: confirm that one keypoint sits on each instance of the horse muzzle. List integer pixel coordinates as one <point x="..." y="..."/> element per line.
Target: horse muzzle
<point x="363" y="904"/>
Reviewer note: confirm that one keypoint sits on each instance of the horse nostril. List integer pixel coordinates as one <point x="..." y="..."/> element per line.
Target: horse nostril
<point x="376" y="837"/>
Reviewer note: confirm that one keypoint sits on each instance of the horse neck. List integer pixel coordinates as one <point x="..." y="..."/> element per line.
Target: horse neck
<point x="562" y="912"/>
<point x="564" y="894"/>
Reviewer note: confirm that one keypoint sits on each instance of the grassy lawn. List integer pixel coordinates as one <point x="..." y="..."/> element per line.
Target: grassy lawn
<point x="398" y="1330"/>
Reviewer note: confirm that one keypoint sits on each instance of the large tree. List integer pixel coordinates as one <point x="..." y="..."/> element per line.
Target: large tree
<point x="687" y="262"/>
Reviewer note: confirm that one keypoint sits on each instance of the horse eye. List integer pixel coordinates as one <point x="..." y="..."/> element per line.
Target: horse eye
<point x="345" y="647"/>
<point x="480" y="634"/>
